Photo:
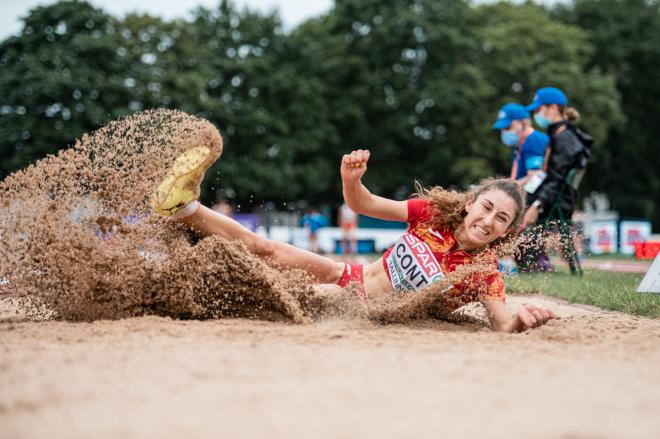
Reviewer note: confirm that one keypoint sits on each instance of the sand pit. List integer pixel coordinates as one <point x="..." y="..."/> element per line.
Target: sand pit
<point x="590" y="374"/>
<point x="129" y="326"/>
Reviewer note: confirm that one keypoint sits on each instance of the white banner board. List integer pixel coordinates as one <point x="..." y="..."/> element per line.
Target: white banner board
<point x="651" y="281"/>
<point x="603" y="237"/>
<point x="631" y="232"/>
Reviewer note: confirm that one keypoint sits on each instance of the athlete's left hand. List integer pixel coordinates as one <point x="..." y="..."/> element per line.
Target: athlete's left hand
<point x="533" y="316"/>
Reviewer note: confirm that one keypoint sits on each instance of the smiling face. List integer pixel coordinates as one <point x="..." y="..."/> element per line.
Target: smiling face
<point x="488" y="218"/>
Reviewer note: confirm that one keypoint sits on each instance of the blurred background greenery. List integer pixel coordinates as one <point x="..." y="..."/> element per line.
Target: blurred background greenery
<point x="419" y="82"/>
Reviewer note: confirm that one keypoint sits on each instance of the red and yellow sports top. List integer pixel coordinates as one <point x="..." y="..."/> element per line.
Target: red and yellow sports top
<point x="424" y="255"/>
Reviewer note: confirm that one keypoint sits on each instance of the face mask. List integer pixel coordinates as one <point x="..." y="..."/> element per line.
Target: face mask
<point x="542" y="121"/>
<point x="509" y="137"/>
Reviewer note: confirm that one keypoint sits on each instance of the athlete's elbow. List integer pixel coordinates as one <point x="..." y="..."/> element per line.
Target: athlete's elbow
<point x="357" y="205"/>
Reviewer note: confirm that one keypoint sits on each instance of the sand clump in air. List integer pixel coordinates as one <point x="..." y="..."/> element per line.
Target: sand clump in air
<point x="80" y="242"/>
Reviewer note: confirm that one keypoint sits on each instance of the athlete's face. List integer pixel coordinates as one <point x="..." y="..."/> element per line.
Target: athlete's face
<point x="488" y="218"/>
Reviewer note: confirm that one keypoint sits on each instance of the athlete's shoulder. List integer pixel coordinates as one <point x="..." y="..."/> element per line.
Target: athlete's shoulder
<point x="419" y="210"/>
<point x="495" y="288"/>
<point x="418" y="203"/>
<point x="490" y="280"/>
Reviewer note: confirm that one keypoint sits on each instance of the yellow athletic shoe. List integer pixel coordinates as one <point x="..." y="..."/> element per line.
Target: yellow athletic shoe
<point x="181" y="186"/>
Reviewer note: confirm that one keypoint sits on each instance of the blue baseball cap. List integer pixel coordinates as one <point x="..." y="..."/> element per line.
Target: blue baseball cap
<point x="547" y="96"/>
<point x="509" y="113"/>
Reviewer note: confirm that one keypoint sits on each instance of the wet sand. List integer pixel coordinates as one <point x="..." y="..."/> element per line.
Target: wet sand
<point x="589" y="374"/>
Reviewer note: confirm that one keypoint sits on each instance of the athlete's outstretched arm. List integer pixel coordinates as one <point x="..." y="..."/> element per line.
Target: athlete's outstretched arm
<point x="529" y="316"/>
<point x="358" y="197"/>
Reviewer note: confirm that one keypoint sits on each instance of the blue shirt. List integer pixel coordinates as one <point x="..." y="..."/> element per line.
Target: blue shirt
<point x="530" y="155"/>
<point x="315" y="221"/>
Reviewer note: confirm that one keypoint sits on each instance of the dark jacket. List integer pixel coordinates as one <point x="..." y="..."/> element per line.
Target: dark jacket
<point x="570" y="148"/>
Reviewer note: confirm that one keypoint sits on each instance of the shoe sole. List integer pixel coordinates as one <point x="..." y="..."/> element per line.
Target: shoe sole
<point x="194" y="161"/>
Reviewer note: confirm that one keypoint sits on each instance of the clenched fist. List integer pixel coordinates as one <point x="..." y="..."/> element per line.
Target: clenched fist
<point x="354" y="165"/>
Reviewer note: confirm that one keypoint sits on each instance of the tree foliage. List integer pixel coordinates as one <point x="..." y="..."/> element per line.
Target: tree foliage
<point x="418" y="82"/>
<point x="625" y="36"/>
<point x="60" y="78"/>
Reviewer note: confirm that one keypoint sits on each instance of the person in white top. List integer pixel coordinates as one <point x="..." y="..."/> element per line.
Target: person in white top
<point x="348" y="221"/>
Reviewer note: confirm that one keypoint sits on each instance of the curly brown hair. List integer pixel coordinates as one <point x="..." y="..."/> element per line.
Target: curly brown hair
<point x="450" y="204"/>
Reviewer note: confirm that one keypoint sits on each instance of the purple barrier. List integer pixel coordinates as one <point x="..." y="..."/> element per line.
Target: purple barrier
<point x="248" y="220"/>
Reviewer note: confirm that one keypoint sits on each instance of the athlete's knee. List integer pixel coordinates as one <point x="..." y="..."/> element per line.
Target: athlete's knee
<point x="261" y="246"/>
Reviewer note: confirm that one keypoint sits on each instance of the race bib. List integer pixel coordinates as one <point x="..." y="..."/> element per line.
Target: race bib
<point x="411" y="264"/>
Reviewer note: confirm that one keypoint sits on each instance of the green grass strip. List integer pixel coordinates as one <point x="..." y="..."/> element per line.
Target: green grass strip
<point x="607" y="290"/>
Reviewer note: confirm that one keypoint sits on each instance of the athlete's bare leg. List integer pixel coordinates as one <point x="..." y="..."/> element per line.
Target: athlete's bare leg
<point x="175" y="197"/>
<point x="208" y="222"/>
